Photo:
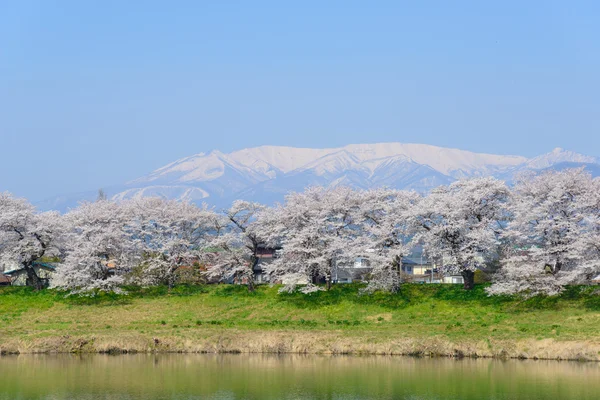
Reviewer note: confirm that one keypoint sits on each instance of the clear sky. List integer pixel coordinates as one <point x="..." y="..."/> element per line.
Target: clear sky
<point x="94" y="93"/>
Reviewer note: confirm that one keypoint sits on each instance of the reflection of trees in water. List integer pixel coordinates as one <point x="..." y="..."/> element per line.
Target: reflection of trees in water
<point x="266" y="376"/>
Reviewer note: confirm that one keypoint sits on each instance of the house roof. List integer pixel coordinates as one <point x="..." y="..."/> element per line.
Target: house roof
<point x="412" y="261"/>
<point x="47" y="266"/>
<point x="4" y="278"/>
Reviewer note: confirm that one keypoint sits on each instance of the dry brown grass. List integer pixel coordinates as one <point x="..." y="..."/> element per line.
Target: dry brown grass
<point x="315" y="342"/>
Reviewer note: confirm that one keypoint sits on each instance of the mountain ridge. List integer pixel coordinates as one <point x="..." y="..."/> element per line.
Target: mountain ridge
<point x="266" y="173"/>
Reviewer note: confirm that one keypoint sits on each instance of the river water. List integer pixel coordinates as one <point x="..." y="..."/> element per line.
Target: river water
<point x="185" y="377"/>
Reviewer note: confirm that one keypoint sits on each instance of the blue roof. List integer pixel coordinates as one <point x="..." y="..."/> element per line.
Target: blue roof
<point x="38" y="264"/>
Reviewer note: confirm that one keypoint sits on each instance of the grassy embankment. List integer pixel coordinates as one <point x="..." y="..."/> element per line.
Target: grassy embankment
<point x="420" y="320"/>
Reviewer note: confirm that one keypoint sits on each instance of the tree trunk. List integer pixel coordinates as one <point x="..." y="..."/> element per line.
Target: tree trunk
<point x="250" y="285"/>
<point x="35" y="280"/>
<point x="329" y="274"/>
<point x="253" y="262"/>
<point x="171" y="279"/>
<point x="557" y="268"/>
<point x="469" y="279"/>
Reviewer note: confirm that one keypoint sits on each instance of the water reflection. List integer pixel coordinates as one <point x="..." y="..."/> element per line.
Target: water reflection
<point x="171" y="376"/>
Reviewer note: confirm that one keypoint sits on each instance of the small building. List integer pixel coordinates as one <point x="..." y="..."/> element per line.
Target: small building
<point x="265" y="256"/>
<point x="358" y="271"/>
<point x="44" y="271"/>
<point x="416" y="266"/>
<point x="596" y="280"/>
<point x="4" y="280"/>
<point x="418" y="269"/>
<point x="454" y="278"/>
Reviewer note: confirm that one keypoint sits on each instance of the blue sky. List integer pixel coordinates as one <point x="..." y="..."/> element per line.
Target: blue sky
<point x="95" y="93"/>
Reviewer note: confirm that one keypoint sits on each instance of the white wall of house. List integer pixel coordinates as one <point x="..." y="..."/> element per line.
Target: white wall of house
<point x="453" y="279"/>
<point x="19" y="278"/>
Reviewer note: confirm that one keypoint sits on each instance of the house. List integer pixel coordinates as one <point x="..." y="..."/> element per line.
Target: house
<point x="358" y="271"/>
<point x="265" y="256"/>
<point x="596" y="280"/>
<point x="454" y="278"/>
<point x="4" y="280"/>
<point x="44" y="271"/>
<point x="417" y="268"/>
<point x="111" y="267"/>
<point x="421" y="270"/>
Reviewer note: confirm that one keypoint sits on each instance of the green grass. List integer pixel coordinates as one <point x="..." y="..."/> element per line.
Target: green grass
<point x="417" y="311"/>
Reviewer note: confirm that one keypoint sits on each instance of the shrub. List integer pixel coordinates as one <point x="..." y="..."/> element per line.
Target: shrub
<point x="482" y="277"/>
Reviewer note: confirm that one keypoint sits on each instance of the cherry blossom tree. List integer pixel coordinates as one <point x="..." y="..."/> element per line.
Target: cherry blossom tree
<point x="26" y="236"/>
<point x="318" y="232"/>
<point x="166" y="235"/>
<point x="142" y="241"/>
<point x="460" y="224"/>
<point x="386" y="234"/>
<point x="593" y="222"/>
<point x="546" y="230"/>
<point x="237" y="242"/>
<point x="553" y="235"/>
<point x="99" y="248"/>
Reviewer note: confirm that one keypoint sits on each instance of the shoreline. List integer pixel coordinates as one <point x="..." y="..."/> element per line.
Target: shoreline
<point x="305" y="343"/>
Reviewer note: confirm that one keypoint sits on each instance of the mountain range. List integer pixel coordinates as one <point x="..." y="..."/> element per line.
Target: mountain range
<point x="267" y="173"/>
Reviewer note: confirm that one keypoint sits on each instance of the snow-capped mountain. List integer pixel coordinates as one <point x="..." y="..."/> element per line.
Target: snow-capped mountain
<point x="266" y="162"/>
<point x="261" y="172"/>
<point x="557" y="156"/>
<point x="266" y="173"/>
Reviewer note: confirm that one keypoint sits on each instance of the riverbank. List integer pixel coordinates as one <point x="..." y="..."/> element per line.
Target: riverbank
<point x="422" y="320"/>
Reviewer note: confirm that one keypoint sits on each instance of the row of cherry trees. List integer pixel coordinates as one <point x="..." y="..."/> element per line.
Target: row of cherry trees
<point x="544" y="232"/>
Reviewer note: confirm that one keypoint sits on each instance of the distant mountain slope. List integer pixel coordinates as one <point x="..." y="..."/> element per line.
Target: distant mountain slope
<point x="557" y="156"/>
<point x="267" y="173"/>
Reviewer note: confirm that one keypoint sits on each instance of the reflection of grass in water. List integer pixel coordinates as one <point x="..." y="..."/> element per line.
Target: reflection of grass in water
<point x="193" y="312"/>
